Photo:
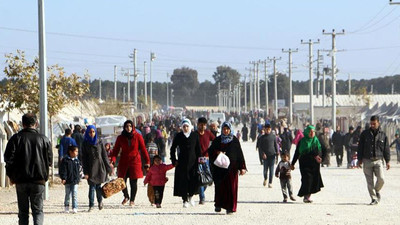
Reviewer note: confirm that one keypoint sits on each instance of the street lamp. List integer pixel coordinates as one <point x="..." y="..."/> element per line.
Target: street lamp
<point x="152" y="58"/>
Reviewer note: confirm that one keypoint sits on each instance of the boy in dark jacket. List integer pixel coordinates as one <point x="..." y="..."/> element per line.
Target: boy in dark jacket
<point x="283" y="172"/>
<point x="70" y="174"/>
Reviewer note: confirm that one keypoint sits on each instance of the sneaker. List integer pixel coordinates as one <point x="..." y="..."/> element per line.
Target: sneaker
<point x="74" y="210"/>
<point x="66" y="209"/>
<point x="374" y="202"/>
<point x="217" y="209"/>
<point x="292" y="198"/>
<point x="90" y="209"/>
<point x="378" y="195"/>
<point x="101" y="206"/>
<point x="158" y="205"/>
<point x="185" y="204"/>
<point x="265" y="182"/>
<point x="125" y="201"/>
<point x="269" y="185"/>
<point x="285" y="200"/>
<point x="191" y="201"/>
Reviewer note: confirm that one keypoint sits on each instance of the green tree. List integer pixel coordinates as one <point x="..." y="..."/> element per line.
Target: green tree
<point x="225" y="75"/>
<point x="184" y="83"/>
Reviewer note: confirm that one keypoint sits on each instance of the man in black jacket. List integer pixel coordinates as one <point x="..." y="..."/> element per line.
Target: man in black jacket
<point x="267" y="145"/>
<point x="337" y="141"/>
<point x="373" y="148"/>
<point x="28" y="157"/>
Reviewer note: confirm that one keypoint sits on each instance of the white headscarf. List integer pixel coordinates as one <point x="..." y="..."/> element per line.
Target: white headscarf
<point x="186" y="121"/>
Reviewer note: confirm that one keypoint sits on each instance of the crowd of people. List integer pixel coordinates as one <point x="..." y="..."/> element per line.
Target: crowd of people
<point x="195" y="144"/>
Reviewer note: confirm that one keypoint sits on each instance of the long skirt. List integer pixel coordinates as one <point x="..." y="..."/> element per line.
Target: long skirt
<point x="311" y="180"/>
<point x="226" y="191"/>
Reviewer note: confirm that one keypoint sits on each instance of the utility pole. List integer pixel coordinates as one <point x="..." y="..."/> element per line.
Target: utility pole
<point x="392" y="89"/>
<point x="275" y="88"/>
<point x="253" y="70"/>
<point x="219" y="96"/>
<point x="100" y="89"/>
<point x="245" y="95"/>
<point x="349" y="85"/>
<point x="115" y="83"/>
<point x="152" y="58"/>
<point x="167" y="90"/>
<point x="145" y="83"/>
<point x="127" y="74"/>
<point x="266" y="87"/>
<point x="229" y="97"/>
<point x="251" y="89"/>
<point x="290" y="51"/>
<point x="319" y="57"/>
<point x="323" y="86"/>
<point x="258" y="86"/>
<point x="135" y="74"/>
<point x="310" y="61"/>
<point x="123" y="95"/>
<point x="44" y="122"/>
<point x="333" y="34"/>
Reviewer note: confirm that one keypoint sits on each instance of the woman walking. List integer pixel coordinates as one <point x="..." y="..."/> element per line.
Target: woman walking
<point x="226" y="180"/>
<point x="186" y="164"/>
<point x="129" y="143"/>
<point x="95" y="165"/>
<point x="308" y="151"/>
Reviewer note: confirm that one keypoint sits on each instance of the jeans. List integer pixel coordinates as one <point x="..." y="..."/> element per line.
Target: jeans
<point x="202" y="189"/>
<point x="95" y="188"/>
<point x="370" y="168"/>
<point x="71" y="190"/>
<point x="349" y="156"/>
<point x="33" y="193"/>
<point x="286" y="183"/>
<point x="269" y="164"/>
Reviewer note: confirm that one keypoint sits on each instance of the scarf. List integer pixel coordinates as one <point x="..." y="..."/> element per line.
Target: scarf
<point x="308" y="144"/>
<point x="225" y="139"/>
<point x="88" y="138"/>
<point x="186" y="121"/>
<point x="126" y="133"/>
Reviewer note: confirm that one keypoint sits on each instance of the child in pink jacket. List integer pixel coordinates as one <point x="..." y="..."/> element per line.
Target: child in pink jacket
<point x="156" y="177"/>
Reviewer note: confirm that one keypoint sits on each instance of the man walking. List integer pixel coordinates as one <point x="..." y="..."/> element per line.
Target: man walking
<point x="346" y="143"/>
<point x="205" y="137"/>
<point x="337" y="140"/>
<point x="268" y="147"/>
<point x="28" y="156"/>
<point x="373" y="148"/>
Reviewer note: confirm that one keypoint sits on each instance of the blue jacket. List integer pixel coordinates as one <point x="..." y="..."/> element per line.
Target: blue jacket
<point x="64" y="143"/>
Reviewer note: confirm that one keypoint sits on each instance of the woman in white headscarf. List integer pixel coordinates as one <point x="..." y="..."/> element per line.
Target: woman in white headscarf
<point x="185" y="151"/>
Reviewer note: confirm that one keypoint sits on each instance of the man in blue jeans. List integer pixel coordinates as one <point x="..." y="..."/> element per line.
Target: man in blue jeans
<point x="205" y="138"/>
<point x="267" y="145"/>
<point x="28" y="158"/>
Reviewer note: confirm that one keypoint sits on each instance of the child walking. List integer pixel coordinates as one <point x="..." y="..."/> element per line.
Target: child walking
<point x="283" y="172"/>
<point x="152" y="149"/>
<point x="156" y="177"/>
<point x="70" y="173"/>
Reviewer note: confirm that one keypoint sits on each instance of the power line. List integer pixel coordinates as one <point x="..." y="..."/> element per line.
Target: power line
<point x="147" y="42"/>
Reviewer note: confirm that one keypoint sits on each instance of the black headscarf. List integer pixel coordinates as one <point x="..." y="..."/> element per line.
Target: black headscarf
<point x="125" y="133"/>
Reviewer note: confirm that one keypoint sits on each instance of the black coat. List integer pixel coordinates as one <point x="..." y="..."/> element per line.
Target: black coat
<point x="28" y="157"/>
<point x="95" y="162"/>
<point x="186" y="178"/>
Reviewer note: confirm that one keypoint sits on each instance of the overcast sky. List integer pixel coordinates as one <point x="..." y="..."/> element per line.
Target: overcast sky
<point x="96" y="35"/>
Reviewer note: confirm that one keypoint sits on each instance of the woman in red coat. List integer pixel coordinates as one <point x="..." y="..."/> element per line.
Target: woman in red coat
<point x="131" y="145"/>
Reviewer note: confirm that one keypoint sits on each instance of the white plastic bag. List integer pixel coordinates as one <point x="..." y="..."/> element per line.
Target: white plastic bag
<point x="222" y="161"/>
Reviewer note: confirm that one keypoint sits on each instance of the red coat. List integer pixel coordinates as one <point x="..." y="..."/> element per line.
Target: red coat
<point x="157" y="175"/>
<point x="130" y="160"/>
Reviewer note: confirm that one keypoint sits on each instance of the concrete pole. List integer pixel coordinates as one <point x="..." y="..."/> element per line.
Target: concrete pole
<point x="135" y="74"/>
<point x="290" y="51"/>
<point x="333" y="34"/>
<point x="275" y="88"/>
<point x="266" y="88"/>
<point x="251" y="92"/>
<point x="152" y="58"/>
<point x="349" y="85"/>
<point x="167" y="91"/>
<point x="100" y="89"/>
<point x="323" y="87"/>
<point x="311" y="77"/>
<point x="245" y="95"/>
<point x="44" y="122"/>
<point x="258" y="85"/>
<point x="145" y="82"/>
<point x="115" y="83"/>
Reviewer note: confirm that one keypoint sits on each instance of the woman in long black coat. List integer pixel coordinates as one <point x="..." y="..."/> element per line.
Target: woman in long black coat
<point x="226" y="180"/>
<point x="309" y="153"/>
<point x="185" y="160"/>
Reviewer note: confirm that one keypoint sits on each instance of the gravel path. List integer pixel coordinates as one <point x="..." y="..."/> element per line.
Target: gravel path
<point x="344" y="200"/>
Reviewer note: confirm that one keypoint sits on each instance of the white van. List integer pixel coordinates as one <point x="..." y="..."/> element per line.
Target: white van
<point x="216" y="116"/>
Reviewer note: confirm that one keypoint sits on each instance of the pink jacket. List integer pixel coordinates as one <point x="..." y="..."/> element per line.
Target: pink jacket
<point x="299" y="135"/>
<point x="156" y="176"/>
